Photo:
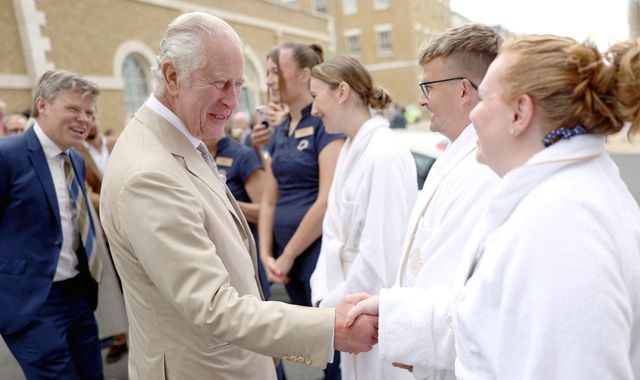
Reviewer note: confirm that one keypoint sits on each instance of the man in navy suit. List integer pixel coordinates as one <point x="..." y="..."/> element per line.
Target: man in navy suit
<point x="47" y="290"/>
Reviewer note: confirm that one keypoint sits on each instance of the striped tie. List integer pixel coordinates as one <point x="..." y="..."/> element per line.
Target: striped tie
<point x="83" y="218"/>
<point x="204" y="152"/>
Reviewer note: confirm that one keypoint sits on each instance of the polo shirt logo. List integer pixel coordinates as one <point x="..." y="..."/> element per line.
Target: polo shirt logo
<point x="303" y="144"/>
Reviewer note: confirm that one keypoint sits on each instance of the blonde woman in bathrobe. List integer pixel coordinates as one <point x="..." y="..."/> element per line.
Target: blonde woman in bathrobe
<point x="370" y="201"/>
<point x="551" y="284"/>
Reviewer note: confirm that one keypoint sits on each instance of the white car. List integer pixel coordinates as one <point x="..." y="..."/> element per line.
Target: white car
<point x="425" y="146"/>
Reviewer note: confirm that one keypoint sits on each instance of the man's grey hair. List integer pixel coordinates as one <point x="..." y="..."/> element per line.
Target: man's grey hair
<point x="183" y="45"/>
<point x="54" y="81"/>
<point x="473" y="46"/>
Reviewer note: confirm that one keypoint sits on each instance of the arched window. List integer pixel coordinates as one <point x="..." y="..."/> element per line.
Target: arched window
<point x="136" y="88"/>
<point x="250" y="95"/>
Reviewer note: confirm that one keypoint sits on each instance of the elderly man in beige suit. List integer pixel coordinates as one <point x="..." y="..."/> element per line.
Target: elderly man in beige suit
<point x="179" y="241"/>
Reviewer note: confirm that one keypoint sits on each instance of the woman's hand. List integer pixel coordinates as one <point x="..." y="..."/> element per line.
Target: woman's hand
<point x="368" y="306"/>
<point x="283" y="265"/>
<point x="275" y="113"/>
<point x="260" y="135"/>
<point x="271" y="270"/>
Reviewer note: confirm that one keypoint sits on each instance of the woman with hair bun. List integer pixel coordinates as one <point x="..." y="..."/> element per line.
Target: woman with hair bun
<point x="552" y="286"/>
<point x="370" y="200"/>
<point x="297" y="178"/>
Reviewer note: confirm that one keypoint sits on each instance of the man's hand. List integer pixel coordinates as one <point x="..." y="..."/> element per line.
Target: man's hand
<point x="362" y="335"/>
<point x="368" y="306"/>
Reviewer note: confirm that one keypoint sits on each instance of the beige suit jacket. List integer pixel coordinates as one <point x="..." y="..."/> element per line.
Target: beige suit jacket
<point x="188" y="267"/>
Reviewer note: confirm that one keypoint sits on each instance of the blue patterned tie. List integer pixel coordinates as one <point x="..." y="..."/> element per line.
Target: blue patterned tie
<point x="83" y="218"/>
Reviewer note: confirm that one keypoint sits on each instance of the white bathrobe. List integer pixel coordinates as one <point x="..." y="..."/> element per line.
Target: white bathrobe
<point x="373" y="191"/>
<point x="556" y="290"/>
<point x="455" y="194"/>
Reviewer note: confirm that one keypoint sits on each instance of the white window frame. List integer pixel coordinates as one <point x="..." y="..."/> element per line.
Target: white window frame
<point x="349" y="33"/>
<point x="380" y="5"/>
<point x="349" y="7"/>
<point x="320" y="6"/>
<point x="379" y="29"/>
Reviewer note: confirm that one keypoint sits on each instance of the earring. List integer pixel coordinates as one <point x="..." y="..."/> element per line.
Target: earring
<point x="513" y="131"/>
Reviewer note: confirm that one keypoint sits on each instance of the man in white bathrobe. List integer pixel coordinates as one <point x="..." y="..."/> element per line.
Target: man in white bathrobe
<point x="455" y="193"/>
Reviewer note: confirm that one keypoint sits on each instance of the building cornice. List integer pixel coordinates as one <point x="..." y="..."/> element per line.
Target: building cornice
<point x="185" y="6"/>
<point x="392" y="65"/>
<point x="15" y="82"/>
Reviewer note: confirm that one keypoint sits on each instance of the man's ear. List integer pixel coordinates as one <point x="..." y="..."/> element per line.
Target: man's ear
<point x="523" y="110"/>
<point x="41" y="105"/>
<point x="466" y="88"/>
<point x="170" y="77"/>
<point x="344" y="90"/>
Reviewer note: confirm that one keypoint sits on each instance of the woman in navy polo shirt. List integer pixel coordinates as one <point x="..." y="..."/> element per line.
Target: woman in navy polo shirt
<point x="298" y="175"/>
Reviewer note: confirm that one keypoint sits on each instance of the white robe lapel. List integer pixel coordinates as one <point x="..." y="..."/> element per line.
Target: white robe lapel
<point x="464" y="145"/>
<point x="519" y="182"/>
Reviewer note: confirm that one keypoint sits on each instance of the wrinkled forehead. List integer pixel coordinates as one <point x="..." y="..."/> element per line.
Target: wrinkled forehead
<point x="225" y="58"/>
<point x="74" y="95"/>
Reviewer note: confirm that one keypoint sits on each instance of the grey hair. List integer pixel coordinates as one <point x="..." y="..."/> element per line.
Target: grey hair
<point x="183" y="45"/>
<point x="54" y="81"/>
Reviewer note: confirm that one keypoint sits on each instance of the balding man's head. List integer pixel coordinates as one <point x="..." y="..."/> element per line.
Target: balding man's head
<point x="15" y="124"/>
<point x="183" y="45"/>
<point x="240" y="120"/>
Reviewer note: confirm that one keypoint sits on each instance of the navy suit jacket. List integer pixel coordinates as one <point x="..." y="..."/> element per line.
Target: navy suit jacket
<point x="30" y="230"/>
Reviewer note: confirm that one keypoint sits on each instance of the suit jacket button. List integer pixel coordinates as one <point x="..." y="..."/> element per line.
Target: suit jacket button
<point x="58" y="244"/>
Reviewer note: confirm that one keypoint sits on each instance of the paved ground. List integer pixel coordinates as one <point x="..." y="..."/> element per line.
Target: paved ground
<point x="629" y="165"/>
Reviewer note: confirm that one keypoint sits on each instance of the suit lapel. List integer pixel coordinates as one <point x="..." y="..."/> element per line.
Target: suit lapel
<point x="179" y="146"/>
<point x="41" y="167"/>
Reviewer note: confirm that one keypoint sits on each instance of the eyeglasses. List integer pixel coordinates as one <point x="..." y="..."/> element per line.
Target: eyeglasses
<point x="425" y="85"/>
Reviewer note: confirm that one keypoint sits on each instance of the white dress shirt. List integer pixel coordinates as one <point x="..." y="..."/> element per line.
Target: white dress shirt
<point x="68" y="261"/>
<point x="172" y="118"/>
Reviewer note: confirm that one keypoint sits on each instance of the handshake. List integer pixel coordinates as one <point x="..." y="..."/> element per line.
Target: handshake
<point x="356" y="328"/>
